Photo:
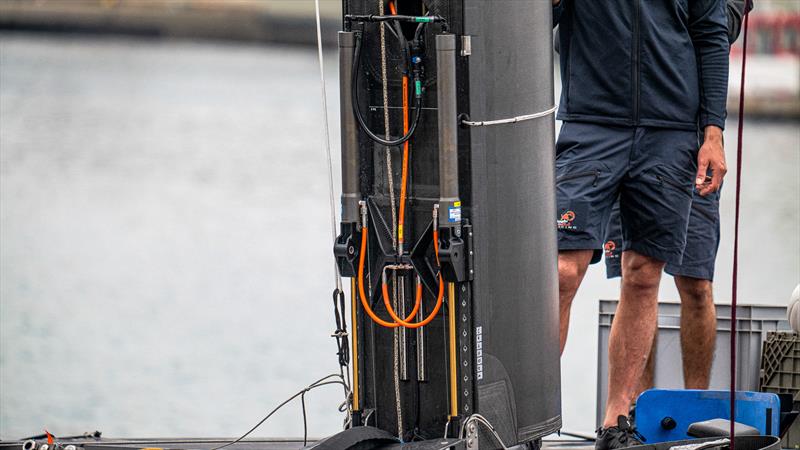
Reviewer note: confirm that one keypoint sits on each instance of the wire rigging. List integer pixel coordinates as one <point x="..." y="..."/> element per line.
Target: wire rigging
<point x="324" y="381"/>
<point x="340" y="334"/>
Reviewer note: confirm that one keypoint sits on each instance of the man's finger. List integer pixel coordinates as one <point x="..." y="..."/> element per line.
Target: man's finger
<point x="716" y="181"/>
<point x="702" y="168"/>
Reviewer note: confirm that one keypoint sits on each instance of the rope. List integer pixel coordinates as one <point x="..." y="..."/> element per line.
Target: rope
<point x="341" y="323"/>
<point x="326" y="128"/>
<point x="734" y="282"/>
<point x="486" y="123"/>
<point x="390" y="180"/>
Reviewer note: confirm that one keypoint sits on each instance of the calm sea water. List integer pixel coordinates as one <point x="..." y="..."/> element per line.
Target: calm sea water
<point x="165" y="261"/>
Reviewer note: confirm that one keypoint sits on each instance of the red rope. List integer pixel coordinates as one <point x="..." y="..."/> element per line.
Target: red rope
<point x="736" y="235"/>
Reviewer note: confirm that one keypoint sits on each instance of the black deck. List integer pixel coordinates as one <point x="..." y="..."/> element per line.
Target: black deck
<point x="269" y="444"/>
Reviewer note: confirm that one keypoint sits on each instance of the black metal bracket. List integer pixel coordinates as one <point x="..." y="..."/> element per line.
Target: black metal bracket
<point x="453" y="255"/>
<point x="346" y="249"/>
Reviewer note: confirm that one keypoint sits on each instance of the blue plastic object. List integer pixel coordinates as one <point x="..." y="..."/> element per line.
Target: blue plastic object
<point x="665" y="415"/>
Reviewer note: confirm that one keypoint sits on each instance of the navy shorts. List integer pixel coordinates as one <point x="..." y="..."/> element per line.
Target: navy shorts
<point x="702" y="241"/>
<point x="650" y="170"/>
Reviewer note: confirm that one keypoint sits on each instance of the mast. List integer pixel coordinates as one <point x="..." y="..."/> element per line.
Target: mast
<point x="448" y="221"/>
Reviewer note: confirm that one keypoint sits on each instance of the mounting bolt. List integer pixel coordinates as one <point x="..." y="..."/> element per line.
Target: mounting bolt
<point x="463" y="288"/>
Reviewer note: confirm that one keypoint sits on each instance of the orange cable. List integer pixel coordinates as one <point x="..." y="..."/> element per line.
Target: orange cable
<point x="363" y="295"/>
<point x="405" y="323"/>
<point x="432" y="315"/>
<point x="404" y="177"/>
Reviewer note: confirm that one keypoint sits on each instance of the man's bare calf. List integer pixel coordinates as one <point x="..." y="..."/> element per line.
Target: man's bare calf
<point x="572" y="265"/>
<point x="632" y="331"/>
<point x="698" y="330"/>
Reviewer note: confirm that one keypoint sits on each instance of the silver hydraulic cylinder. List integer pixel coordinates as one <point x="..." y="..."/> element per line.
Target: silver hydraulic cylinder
<point x="351" y="194"/>
<point x="449" y="202"/>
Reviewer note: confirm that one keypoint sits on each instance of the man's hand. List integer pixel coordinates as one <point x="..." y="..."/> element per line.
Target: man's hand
<point x="556" y="2"/>
<point x="711" y="156"/>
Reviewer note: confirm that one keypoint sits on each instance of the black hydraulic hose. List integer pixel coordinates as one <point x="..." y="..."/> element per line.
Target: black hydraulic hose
<point x="362" y="123"/>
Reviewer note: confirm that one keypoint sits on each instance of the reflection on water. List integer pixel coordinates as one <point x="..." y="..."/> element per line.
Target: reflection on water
<point x="165" y="262"/>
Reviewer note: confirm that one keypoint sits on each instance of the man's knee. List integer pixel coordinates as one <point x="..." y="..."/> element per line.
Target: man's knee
<point x="572" y="265"/>
<point x="695" y="293"/>
<point x="640" y="271"/>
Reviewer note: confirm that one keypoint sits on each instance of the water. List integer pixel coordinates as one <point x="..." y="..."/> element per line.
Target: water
<point x="165" y="261"/>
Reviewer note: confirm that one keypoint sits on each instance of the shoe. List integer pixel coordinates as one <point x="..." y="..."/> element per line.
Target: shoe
<point x="621" y="436"/>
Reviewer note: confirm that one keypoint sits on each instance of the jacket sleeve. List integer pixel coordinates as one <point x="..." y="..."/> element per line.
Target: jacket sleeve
<point x="736" y="10"/>
<point x="708" y="27"/>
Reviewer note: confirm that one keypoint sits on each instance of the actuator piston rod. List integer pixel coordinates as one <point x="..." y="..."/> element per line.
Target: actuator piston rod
<point x="351" y="194"/>
<point x="449" y="201"/>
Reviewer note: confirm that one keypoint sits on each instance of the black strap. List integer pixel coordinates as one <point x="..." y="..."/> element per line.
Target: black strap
<point x="361" y="438"/>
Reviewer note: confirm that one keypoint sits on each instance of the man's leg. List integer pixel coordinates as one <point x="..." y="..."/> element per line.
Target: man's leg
<point x="632" y="331"/>
<point x="698" y="330"/>
<point x="647" y="381"/>
<point x="572" y="265"/>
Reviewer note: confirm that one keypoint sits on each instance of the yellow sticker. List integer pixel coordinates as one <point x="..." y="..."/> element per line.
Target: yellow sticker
<point x="457" y="204"/>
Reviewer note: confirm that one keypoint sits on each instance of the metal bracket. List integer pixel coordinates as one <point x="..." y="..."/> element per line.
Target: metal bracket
<point x="345" y="250"/>
<point x="472" y="436"/>
<point x="466" y="45"/>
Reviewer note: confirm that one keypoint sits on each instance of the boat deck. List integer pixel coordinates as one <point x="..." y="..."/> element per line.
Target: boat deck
<point x="272" y="444"/>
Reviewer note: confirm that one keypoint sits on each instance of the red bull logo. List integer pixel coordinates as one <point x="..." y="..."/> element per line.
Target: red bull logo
<point x="609" y="248"/>
<point x="565" y="222"/>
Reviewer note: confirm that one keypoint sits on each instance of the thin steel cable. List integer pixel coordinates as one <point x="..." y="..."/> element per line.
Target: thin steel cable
<point x="326" y="128"/>
<point x="319" y="383"/>
<point x="331" y="200"/>
<point x="486" y="123"/>
<point x="734" y="282"/>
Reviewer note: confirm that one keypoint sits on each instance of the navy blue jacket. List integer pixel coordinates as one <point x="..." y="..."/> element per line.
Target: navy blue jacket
<point x="659" y="63"/>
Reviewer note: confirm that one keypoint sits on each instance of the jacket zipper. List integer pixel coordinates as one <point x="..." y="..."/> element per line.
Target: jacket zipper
<point x="636" y="62"/>
<point x="595" y="172"/>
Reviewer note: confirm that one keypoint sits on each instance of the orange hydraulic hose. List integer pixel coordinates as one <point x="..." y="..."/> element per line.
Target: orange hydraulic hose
<point x="363" y="295"/>
<point x="404" y="177"/>
<point x="432" y="315"/>
<point x="405" y="323"/>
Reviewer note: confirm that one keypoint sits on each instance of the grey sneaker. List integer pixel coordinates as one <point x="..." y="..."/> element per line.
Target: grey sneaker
<point x="621" y="436"/>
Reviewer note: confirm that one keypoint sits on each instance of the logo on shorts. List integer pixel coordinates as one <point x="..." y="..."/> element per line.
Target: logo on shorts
<point x="609" y="248"/>
<point x="565" y="222"/>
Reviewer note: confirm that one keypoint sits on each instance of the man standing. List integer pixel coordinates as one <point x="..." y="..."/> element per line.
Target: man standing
<point x="638" y="77"/>
<point x="694" y="275"/>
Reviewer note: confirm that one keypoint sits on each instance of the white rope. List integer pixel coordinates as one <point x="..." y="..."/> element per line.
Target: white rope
<point x="327" y="143"/>
<point x="486" y="123"/>
<point x="347" y="393"/>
